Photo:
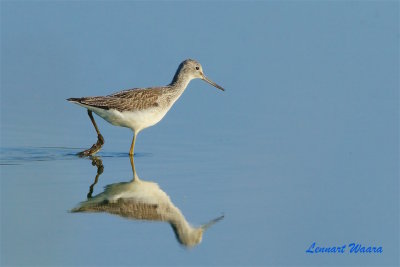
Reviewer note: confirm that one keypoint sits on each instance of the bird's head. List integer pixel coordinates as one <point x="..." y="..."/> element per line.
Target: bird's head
<point x="193" y="70"/>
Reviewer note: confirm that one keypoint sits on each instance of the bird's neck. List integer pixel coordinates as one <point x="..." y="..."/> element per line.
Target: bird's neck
<point x="184" y="232"/>
<point x="180" y="81"/>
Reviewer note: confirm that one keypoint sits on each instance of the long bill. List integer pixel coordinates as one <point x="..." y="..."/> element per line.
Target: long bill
<point x="212" y="222"/>
<point x="212" y="83"/>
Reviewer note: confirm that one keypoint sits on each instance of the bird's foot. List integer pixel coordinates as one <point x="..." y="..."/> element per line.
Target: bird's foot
<point x="94" y="149"/>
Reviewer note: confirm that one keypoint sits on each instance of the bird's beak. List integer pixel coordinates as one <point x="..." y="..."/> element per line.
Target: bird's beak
<point x="204" y="78"/>
<point x="212" y="222"/>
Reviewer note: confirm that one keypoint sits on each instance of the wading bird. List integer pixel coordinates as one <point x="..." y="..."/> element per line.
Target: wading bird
<point x="140" y="108"/>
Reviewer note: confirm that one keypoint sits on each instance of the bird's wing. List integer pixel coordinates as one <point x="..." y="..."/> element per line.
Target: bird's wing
<point x="128" y="100"/>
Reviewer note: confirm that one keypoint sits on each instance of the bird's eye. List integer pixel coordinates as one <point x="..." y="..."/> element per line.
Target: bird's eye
<point x="197" y="68"/>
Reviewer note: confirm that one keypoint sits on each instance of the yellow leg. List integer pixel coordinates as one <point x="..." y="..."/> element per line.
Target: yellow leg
<point x="132" y="145"/>
<point x="133" y="169"/>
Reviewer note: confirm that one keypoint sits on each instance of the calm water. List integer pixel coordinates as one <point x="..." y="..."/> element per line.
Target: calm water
<point x="270" y="210"/>
<point x="301" y="148"/>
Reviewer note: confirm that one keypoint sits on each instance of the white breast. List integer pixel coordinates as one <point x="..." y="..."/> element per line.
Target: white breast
<point x="135" y="120"/>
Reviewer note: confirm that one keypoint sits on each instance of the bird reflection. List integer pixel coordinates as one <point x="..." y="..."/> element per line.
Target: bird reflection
<point x="142" y="200"/>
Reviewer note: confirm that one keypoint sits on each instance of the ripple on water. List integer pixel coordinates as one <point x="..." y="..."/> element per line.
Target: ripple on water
<point x="21" y="155"/>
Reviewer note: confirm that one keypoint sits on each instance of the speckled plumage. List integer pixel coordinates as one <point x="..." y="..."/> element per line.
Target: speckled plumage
<point x="130" y="100"/>
<point x="127" y="208"/>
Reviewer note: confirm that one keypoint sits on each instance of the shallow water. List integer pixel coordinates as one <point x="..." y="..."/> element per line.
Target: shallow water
<point x="268" y="215"/>
<point x="302" y="147"/>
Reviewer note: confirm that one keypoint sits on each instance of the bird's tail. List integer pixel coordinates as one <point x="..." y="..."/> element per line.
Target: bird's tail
<point x="76" y="209"/>
<point x="83" y="206"/>
<point x="74" y="99"/>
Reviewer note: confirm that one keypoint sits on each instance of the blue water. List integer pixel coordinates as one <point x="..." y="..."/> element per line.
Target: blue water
<point x="302" y="147"/>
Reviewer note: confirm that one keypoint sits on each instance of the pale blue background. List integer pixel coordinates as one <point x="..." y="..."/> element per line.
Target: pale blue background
<point x="302" y="147"/>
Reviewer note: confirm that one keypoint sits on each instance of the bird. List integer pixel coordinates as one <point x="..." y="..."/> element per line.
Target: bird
<point x="142" y="200"/>
<point x="140" y="108"/>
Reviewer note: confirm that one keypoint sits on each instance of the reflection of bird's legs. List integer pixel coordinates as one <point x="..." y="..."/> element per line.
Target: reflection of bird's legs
<point x="133" y="144"/>
<point x="100" y="168"/>
<point x="133" y="168"/>
<point x="100" y="140"/>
